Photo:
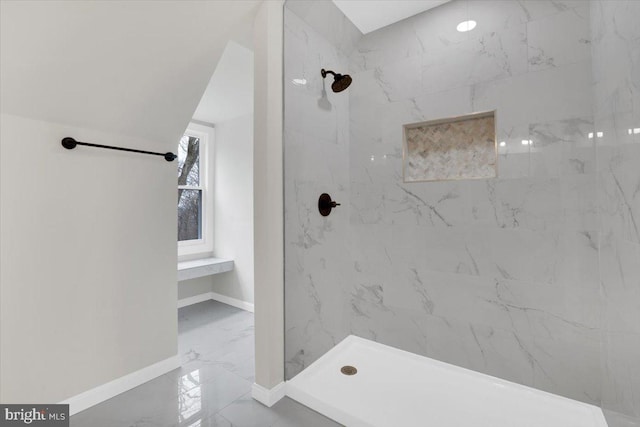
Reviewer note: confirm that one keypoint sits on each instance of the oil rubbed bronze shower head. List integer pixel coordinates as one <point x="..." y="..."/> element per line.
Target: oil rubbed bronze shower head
<point x="340" y="81"/>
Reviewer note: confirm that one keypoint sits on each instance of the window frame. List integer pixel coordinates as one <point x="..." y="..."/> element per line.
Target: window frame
<point x="203" y="245"/>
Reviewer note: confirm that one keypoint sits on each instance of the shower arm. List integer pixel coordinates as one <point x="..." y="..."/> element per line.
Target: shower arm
<point x="325" y="72"/>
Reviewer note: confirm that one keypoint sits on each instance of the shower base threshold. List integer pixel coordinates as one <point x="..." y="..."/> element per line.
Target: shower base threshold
<point x="392" y="387"/>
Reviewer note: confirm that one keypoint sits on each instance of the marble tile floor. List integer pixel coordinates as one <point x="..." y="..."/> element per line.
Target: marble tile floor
<point x="211" y="389"/>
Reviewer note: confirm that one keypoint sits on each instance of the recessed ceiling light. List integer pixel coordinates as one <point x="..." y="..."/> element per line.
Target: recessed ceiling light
<point x="299" y="82"/>
<point x="502" y="144"/>
<point x="465" y="26"/>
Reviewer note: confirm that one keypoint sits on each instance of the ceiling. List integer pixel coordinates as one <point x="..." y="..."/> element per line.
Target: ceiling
<point x="369" y="16"/>
<point x="229" y="93"/>
<point x="135" y="68"/>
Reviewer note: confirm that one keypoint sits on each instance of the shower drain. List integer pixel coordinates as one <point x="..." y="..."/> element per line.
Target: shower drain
<point x="348" y="370"/>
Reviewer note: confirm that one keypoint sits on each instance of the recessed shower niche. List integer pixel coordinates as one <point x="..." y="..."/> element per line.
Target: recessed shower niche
<point x="454" y="148"/>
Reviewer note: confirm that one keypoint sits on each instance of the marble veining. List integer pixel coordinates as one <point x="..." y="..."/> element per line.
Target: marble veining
<point x="203" y="267"/>
<point x="616" y="61"/>
<point x="210" y="389"/>
<point x="530" y="276"/>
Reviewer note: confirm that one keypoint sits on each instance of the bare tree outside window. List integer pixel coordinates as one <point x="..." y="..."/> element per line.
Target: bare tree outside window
<point x="189" y="189"/>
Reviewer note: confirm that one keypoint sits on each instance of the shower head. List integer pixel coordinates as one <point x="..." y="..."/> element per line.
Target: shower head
<point x="340" y="81"/>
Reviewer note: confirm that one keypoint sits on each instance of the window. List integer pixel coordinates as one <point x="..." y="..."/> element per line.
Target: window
<point x="189" y="189"/>
<point x="194" y="203"/>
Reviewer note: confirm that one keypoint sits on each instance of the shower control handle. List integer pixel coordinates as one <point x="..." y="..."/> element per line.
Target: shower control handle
<point x="325" y="204"/>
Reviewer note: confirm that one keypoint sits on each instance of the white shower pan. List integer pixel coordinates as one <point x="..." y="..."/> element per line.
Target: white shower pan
<point x="395" y="388"/>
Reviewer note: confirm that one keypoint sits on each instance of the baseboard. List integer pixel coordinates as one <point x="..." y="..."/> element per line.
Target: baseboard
<point x="194" y="299"/>
<point x="243" y="305"/>
<point x="99" y="394"/>
<point x="268" y="397"/>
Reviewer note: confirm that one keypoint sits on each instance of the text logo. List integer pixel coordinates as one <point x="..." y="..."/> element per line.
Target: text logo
<point x="34" y="415"/>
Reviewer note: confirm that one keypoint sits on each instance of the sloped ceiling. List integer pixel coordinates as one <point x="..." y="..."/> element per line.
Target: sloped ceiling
<point x="230" y="90"/>
<point x="369" y="16"/>
<point x="136" y="68"/>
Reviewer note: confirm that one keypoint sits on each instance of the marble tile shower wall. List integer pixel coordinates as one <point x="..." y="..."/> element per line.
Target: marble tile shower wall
<point x="316" y="161"/>
<point x="616" y="74"/>
<point x="500" y="276"/>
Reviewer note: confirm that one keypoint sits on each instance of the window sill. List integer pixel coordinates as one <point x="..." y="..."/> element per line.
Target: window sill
<point x="191" y="250"/>
<point x="203" y="267"/>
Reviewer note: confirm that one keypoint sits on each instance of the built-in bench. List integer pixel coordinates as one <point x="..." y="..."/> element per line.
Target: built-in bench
<point x="203" y="267"/>
<point x="208" y="267"/>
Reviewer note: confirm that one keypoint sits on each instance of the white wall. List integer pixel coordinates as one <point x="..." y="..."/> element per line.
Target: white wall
<point x="233" y="204"/>
<point x="232" y="201"/>
<point x="268" y="193"/>
<point x="87" y="260"/>
<point x="229" y="93"/>
<point x="193" y="287"/>
<point x="88" y="237"/>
